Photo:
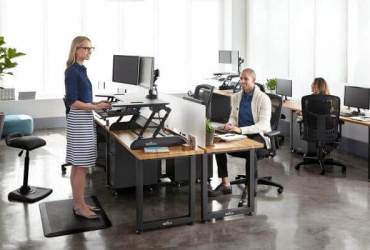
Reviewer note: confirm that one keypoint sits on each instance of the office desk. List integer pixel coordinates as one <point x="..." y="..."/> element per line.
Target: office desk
<point x="295" y="106"/>
<point x="227" y="147"/>
<point x="125" y="138"/>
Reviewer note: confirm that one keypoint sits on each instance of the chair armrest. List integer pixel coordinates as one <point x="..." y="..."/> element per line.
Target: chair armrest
<point x="272" y="133"/>
<point x="192" y="99"/>
<point x="300" y="123"/>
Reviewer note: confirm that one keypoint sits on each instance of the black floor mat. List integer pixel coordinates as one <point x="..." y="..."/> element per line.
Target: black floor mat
<point x="58" y="218"/>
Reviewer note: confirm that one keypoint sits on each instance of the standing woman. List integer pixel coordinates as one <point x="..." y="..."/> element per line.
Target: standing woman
<point x="81" y="135"/>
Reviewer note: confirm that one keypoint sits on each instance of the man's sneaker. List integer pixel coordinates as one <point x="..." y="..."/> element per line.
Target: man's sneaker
<point x="220" y="189"/>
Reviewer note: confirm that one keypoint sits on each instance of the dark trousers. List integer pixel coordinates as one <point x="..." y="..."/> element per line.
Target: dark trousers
<point x="222" y="159"/>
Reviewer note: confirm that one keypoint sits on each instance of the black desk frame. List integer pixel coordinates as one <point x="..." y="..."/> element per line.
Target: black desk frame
<point x="248" y="209"/>
<point x="141" y="224"/>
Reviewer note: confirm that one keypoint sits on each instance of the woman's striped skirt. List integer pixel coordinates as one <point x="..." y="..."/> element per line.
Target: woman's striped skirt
<point x="81" y="138"/>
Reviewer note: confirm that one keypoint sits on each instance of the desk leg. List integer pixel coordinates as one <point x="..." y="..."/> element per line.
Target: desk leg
<point x="192" y="188"/>
<point x="139" y="196"/>
<point x="368" y="155"/>
<point x="107" y="158"/>
<point x="204" y="189"/>
<point x="252" y="180"/>
<point x="291" y="131"/>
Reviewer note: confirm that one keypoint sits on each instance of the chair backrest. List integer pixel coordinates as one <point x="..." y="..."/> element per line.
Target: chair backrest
<point x="276" y="104"/>
<point x="321" y="118"/>
<point x="262" y="88"/>
<point x="204" y="92"/>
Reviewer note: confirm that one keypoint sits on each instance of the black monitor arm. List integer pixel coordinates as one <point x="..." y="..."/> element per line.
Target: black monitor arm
<point x="153" y="92"/>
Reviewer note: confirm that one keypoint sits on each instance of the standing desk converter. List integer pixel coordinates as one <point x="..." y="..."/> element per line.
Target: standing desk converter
<point x="227" y="147"/>
<point x="295" y="106"/>
<point x="125" y="138"/>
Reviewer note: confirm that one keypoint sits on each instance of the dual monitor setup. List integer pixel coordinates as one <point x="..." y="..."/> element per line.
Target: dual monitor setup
<point x="354" y="97"/>
<point x="136" y="70"/>
<point x="230" y="57"/>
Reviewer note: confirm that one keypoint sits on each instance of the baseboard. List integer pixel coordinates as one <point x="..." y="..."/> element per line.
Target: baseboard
<point x="354" y="147"/>
<point x="49" y="122"/>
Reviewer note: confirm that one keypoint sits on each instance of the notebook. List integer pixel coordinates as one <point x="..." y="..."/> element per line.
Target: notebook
<point x="156" y="149"/>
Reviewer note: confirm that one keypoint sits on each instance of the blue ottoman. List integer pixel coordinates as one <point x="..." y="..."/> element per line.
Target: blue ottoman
<point x="18" y="124"/>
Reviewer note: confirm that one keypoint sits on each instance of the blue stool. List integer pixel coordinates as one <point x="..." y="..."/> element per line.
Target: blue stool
<point x="18" y="124"/>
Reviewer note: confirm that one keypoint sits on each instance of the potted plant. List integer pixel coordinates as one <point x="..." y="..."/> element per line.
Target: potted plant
<point x="210" y="133"/>
<point x="271" y="84"/>
<point x="6" y="59"/>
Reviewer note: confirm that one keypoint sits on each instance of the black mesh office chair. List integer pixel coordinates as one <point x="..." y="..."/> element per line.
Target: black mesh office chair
<point x="321" y="125"/>
<point x="276" y="104"/>
<point x="203" y="95"/>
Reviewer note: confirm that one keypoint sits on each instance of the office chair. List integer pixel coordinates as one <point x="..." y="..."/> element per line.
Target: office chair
<point x="321" y="125"/>
<point x="203" y="94"/>
<point x="276" y="104"/>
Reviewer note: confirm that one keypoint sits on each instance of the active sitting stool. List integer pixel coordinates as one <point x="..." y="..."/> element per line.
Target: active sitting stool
<point x="26" y="193"/>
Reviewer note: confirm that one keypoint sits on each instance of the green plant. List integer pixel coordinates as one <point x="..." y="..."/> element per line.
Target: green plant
<point x="209" y="128"/>
<point x="271" y="84"/>
<point x="6" y="56"/>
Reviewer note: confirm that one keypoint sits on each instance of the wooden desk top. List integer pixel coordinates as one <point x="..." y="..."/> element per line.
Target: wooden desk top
<point x="296" y="106"/>
<point x="126" y="137"/>
<point x="292" y="105"/>
<point x="349" y="119"/>
<point x="233" y="146"/>
<point x="223" y="92"/>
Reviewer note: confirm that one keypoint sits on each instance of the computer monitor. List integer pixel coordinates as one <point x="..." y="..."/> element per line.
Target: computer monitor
<point x="228" y="56"/>
<point x="146" y="75"/>
<point x="356" y="97"/>
<point x="126" y="69"/>
<point x="284" y="87"/>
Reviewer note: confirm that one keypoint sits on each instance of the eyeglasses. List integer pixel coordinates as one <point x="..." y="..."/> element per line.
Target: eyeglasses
<point x="87" y="48"/>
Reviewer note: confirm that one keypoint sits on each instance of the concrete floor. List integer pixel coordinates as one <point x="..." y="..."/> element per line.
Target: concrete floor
<point x="314" y="212"/>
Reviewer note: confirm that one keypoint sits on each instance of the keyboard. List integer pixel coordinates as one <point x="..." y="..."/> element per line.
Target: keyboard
<point x="221" y="130"/>
<point x="345" y="114"/>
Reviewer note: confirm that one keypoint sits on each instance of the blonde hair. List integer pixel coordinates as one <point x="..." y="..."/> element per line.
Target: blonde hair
<point x="251" y="72"/>
<point x="321" y="85"/>
<point x="76" y="42"/>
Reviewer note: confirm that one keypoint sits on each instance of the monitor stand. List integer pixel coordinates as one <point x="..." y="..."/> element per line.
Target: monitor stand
<point x="357" y="113"/>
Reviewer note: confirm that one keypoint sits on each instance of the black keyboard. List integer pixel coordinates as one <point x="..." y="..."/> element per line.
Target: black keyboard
<point x="109" y="113"/>
<point x="167" y="141"/>
<point x="345" y="114"/>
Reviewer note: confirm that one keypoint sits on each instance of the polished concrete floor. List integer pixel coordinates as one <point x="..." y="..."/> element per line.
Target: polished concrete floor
<point x="314" y="212"/>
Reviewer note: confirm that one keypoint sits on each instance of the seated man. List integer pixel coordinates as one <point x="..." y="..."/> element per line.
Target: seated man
<point x="250" y="114"/>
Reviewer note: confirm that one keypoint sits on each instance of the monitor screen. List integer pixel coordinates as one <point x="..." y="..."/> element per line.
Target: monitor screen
<point x="228" y="56"/>
<point x="126" y="69"/>
<point x="356" y="97"/>
<point x="146" y="75"/>
<point x="284" y="87"/>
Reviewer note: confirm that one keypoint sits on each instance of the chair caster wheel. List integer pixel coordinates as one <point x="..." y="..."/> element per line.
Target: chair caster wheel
<point x="280" y="190"/>
<point x="322" y="172"/>
<point x="344" y="170"/>
<point x="297" y="167"/>
<point x="241" y="203"/>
